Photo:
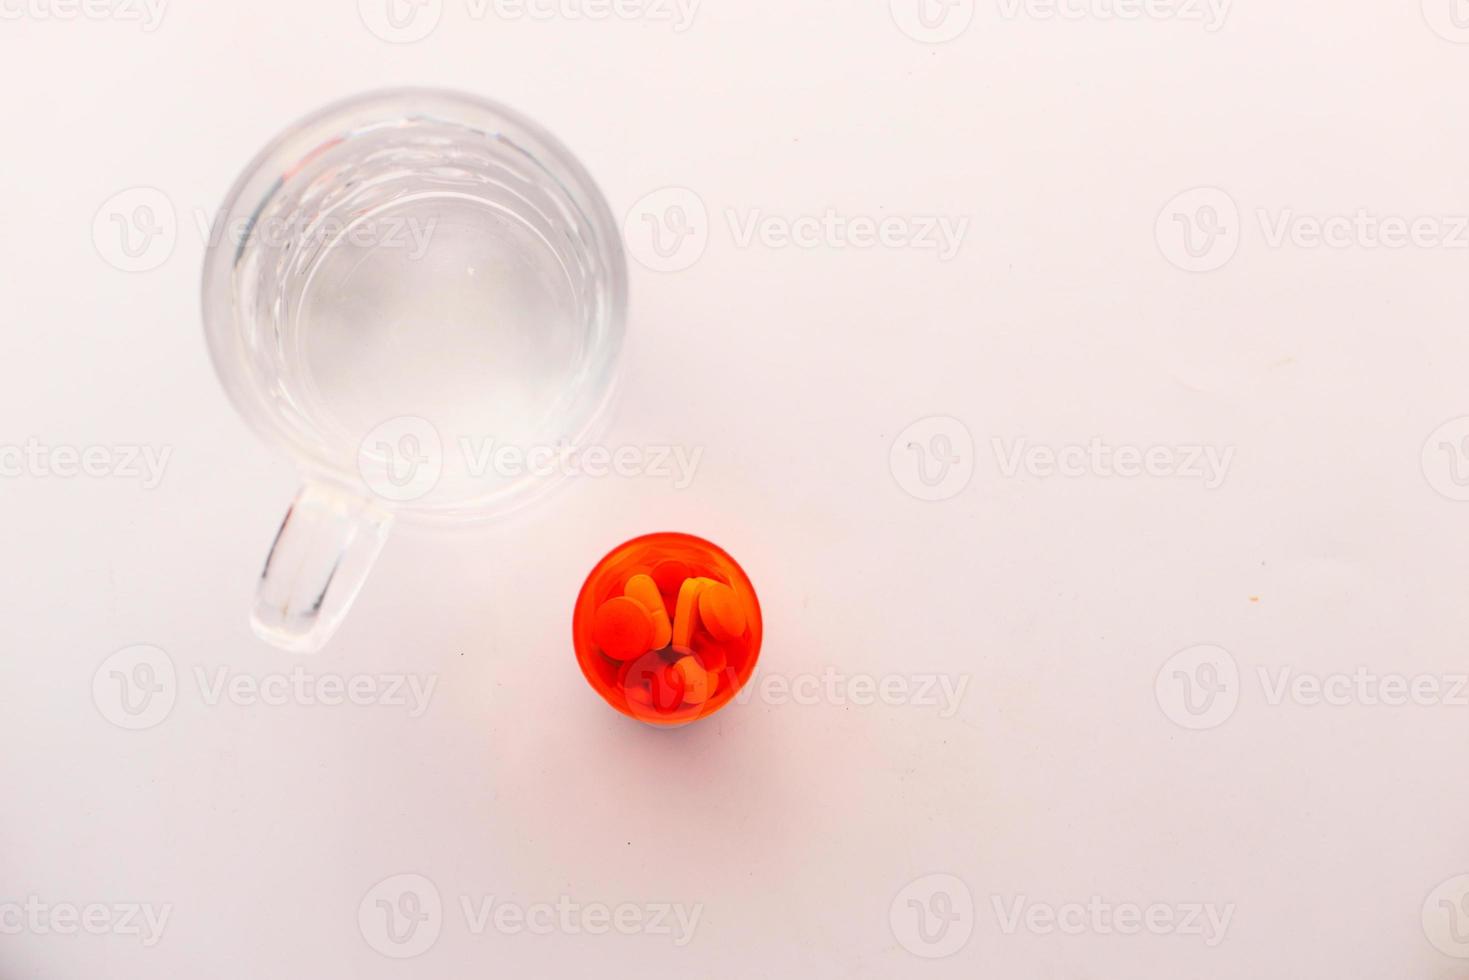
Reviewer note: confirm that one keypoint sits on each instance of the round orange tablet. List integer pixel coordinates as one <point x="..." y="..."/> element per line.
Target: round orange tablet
<point x="721" y="612"/>
<point x="623" y="628"/>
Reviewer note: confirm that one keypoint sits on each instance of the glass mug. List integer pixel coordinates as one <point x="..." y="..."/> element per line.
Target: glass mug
<point x="413" y="282"/>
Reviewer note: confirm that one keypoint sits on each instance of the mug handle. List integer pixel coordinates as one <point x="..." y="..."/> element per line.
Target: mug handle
<point x="321" y="556"/>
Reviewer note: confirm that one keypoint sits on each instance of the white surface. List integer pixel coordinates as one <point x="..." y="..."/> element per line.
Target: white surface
<point x="795" y="828"/>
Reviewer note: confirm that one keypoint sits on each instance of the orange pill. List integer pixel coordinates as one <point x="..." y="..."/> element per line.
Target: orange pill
<point x="623" y="628"/>
<point x="670" y="575"/>
<point x="698" y="683"/>
<point x="721" y="611"/>
<point x="686" y="614"/>
<point x="643" y="590"/>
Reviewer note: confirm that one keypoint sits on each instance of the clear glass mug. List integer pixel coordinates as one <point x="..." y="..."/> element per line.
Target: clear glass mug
<point x="416" y="290"/>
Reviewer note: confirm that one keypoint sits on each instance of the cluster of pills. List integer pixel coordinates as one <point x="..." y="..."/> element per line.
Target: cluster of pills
<point x="667" y="631"/>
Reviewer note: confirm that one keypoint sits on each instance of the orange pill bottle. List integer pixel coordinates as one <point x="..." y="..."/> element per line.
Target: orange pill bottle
<point x="709" y="663"/>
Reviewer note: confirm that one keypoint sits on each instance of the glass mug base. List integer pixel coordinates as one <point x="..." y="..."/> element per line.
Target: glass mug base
<point x="412" y="283"/>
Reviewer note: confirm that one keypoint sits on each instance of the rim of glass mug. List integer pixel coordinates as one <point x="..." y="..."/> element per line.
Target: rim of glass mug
<point x="269" y="171"/>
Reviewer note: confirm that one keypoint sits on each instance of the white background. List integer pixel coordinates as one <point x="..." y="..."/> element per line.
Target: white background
<point x="1081" y="764"/>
